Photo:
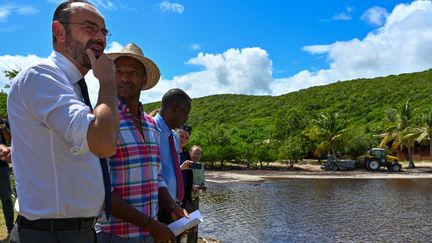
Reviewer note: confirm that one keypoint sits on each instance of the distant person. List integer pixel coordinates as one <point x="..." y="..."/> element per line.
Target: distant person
<point x="198" y="186"/>
<point x="62" y="185"/>
<point x="184" y="134"/>
<point x="135" y="168"/>
<point x="5" y="185"/>
<point x="174" y="112"/>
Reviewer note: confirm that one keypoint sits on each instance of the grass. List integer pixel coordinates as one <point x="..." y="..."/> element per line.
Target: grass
<point x="3" y="231"/>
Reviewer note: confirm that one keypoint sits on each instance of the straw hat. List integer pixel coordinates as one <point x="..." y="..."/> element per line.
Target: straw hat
<point x="132" y="50"/>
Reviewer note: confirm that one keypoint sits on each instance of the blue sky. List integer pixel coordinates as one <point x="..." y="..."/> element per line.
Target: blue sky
<point x="261" y="47"/>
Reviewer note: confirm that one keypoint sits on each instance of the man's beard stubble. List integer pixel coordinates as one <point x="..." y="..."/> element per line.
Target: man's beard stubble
<point x="78" y="51"/>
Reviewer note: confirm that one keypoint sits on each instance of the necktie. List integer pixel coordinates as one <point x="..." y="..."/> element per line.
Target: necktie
<point x="106" y="176"/>
<point x="176" y="164"/>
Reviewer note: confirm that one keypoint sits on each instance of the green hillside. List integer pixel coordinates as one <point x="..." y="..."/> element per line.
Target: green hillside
<point x="251" y="129"/>
<point x="361" y="102"/>
<point x="247" y="119"/>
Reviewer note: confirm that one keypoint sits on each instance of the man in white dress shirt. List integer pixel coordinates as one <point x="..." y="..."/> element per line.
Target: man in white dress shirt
<point x="57" y="137"/>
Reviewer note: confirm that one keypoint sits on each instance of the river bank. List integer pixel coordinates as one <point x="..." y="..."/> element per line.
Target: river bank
<point x="422" y="170"/>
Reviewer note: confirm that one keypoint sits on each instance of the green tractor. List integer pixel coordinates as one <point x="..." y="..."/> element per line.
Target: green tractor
<point x="377" y="157"/>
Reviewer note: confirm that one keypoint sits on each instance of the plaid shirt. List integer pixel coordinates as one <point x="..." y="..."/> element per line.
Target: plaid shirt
<point x="135" y="172"/>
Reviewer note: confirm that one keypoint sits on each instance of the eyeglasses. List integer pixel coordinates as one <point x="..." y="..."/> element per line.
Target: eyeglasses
<point x="91" y="28"/>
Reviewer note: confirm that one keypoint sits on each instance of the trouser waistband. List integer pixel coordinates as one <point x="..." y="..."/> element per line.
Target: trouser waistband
<point x="62" y="224"/>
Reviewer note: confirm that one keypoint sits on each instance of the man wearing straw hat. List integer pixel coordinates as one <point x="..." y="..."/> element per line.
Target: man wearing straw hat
<point x="135" y="167"/>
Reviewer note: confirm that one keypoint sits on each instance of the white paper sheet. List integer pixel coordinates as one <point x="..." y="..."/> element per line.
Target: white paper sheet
<point x="179" y="226"/>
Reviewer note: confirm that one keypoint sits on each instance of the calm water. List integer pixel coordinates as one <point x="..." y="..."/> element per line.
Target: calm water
<point x="319" y="210"/>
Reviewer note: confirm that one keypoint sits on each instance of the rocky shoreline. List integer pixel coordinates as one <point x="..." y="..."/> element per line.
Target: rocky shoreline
<point x="422" y="170"/>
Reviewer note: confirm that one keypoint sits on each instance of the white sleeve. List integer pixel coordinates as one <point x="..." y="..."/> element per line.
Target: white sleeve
<point x="56" y="105"/>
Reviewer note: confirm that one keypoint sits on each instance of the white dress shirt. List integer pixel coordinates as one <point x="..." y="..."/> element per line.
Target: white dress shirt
<point x="56" y="174"/>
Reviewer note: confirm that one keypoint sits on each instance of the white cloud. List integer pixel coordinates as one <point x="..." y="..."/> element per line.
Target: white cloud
<point x="9" y="63"/>
<point x="316" y="49"/>
<point x="8" y="9"/>
<point x="26" y="10"/>
<point x="375" y="16"/>
<point x="403" y="44"/>
<point x="344" y="15"/>
<point x="167" y="6"/>
<point x="236" y="71"/>
<point x="195" y="47"/>
<point x="4" y="13"/>
<point x="113" y="47"/>
<point x="106" y="4"/>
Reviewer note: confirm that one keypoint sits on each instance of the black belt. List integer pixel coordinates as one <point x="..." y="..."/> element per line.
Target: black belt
<point x="78" y="224"/>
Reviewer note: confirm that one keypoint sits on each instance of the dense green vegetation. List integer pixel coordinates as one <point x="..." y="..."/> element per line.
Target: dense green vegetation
<point x="251" y="129"/>
<point x="3" y="98"/>
<point x="345" y="118"/>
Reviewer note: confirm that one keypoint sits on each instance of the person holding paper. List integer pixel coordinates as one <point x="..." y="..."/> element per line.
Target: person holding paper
<point x="174" y="112"/>
<point x="198" y="186"/>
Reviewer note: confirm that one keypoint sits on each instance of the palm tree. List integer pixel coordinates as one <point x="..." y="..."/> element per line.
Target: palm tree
<point x="401" y="129"/>
<point x="426" y="130"/>
<point x="329" y="132"/>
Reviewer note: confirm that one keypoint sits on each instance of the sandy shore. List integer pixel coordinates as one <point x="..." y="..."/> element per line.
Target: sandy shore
<point x="422" y="170"/>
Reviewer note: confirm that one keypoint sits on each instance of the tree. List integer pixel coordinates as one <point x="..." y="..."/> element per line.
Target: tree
<point x="401" y="129"/>
<point x="222" y="144"/>
<point x="292" y="150"/>
<point x="10" y="74"/>
<point x="288" y="124"/>
<point x="356" y="142"/>
<point x="426" y="129"/>
<point x="328" y="130"/>
<point x="263" y="152"/>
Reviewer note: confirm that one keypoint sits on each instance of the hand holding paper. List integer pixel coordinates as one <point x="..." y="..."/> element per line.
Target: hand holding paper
<point x="179" y="226"/>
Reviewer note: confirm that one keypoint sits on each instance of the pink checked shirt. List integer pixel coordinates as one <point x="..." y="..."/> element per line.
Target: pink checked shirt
<point x="134" y="172"/>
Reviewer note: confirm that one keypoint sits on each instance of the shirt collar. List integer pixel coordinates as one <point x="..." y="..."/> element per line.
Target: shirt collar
<point x="125" y="109"/>
<point x="162" y="124"/>
<point x="71" y="71"/>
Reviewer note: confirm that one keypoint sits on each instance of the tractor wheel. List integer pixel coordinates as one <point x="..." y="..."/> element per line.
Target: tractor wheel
<point x="374" y="165"/>
<point x="366" y="164"/>
<point x="396" y="167"/>
<point x="335" y="167"/>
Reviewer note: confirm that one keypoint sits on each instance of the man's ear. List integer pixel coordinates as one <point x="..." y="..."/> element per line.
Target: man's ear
<point x="59" y="31"/>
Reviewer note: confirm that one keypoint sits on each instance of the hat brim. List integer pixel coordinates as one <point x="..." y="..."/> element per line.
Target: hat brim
<point x="152" y="70"/>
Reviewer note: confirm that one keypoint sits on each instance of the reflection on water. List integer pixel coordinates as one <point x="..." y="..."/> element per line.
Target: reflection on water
<point x="319" y="210"/>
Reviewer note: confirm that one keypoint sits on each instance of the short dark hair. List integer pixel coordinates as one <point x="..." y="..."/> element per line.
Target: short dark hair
<point x="63" y="12"/>
<point x="174" y="97"/>
<point x="187" y="128"/>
